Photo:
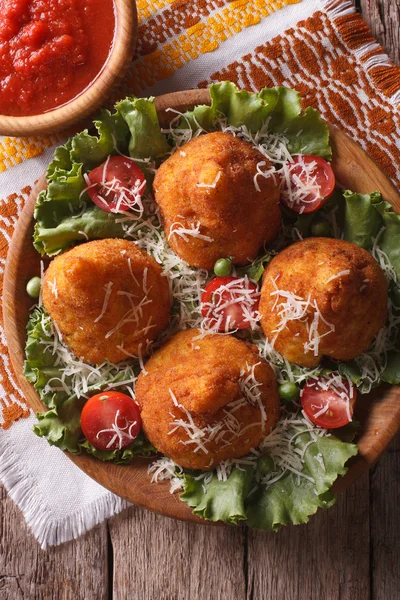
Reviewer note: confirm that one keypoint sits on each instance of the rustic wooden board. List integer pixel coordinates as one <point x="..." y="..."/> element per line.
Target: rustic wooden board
<point x="317" y="558"/>
<point x="177" y="560"/>
<point x="76" y="570"/>
<point x="379" y="413"/>
<point x="385" y="525"/>
<point x="383" y="18"/>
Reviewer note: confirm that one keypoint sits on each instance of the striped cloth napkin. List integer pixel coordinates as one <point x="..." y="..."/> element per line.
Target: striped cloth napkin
<point x="320" y="47"/>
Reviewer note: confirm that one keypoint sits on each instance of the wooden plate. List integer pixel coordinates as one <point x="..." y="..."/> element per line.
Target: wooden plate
<point x="379" y="412"/>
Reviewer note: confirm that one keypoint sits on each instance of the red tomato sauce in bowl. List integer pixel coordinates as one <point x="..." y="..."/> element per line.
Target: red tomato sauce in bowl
<point x="50" y="51"/>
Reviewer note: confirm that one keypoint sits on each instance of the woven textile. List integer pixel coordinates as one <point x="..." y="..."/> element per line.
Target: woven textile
<point x="321" y="48"/>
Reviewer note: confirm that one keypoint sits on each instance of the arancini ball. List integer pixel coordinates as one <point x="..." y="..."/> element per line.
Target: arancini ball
<point x="108" y="300"/>
<point x="206" y="399"/>
<point x="213" y="204"/>
<point x="322" y="297"/>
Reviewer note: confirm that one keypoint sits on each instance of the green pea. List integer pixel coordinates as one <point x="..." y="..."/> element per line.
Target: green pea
<point x="223" y="267"/>
<point x="265" y="464"/>
<point x="325" y="372"/>
<point x="320" y="228"/>
<point x="33" y="287"/>
<point x="289" y="392"/>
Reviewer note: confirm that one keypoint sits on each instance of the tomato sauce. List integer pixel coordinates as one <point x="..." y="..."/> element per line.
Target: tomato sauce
<point x="50" y="51"/>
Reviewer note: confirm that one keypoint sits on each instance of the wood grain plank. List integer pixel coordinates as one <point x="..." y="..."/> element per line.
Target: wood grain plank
<point x="160" y="558"/>
<point x="385" y="525"/>
<point x="76" y="570"/>
<point x="327" y="558"/>
<point x="383" y="17"/>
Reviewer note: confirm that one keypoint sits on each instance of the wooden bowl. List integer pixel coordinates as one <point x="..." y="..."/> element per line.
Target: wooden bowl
<point x="378" y="412"/>
<point x="94" y="96"/>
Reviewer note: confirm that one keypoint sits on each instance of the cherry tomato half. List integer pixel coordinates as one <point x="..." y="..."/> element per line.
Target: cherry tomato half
<point x="117" y="185"/>
<point x="329" y="401"/>
<point x="110" y="420"/>
<point x="229" y="303"/>
<point x="311" y="183"/>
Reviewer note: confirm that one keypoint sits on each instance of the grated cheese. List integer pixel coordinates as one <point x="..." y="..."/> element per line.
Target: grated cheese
<point x="53" y="287"/>
<point x="108" y="290"/>
<point x="85" y="235"/>
<point x="122" y="433"/>
<point x="251" y="389"/>
<point x="193" y="231"/>
<point x="78" y="377"/>
<point x="239" y="291"/>
<point x="299" y="185"/>
<point x="210" y="185"/>
<point x="296" y="308"/>
<point x="338" y="275"/>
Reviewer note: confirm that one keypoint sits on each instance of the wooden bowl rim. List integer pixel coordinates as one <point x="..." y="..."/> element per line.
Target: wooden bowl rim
<point x="132" y="481"/>
<point x="121" y="54"/>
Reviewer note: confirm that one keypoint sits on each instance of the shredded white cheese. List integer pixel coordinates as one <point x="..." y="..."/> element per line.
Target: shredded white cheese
<point x="108" y="290"/>
<point x="338" y="275"/>
<point x="193" y="231"/>
<point x="210" y="185"/>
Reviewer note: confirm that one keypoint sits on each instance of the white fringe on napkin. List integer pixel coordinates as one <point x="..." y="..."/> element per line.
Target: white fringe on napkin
<point x="59" y="502"/>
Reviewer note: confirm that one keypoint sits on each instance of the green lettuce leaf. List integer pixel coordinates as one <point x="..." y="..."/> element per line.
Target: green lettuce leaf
<point x="362" y="222"/>
<point x="392" y="372"/>
<point x="365" y="216"/>
<point x="64" y="215"/>
<point x="135" y="125"/>
<point x="92" y="224"/>
<point x="60" y="425"/>
<point x="92" y="150"/>
<point x="306" y="131"/>
<point x="147" y="140"/>
<point x="389" y="241"/>
<point x="221" y="500"/>
<point x="256" y="270"/>
<point x="61" y="162"/>
<point x="290" y="501"/>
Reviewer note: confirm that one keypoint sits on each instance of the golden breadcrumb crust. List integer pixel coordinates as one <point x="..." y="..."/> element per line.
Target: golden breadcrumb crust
<point x="237" y="217"/>
<point x="74" y="292"/>
<point x="355" y="303"/>
<point x="203" y="374"/>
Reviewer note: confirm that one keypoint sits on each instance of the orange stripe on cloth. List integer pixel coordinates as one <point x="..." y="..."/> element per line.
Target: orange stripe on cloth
<point x="202" y="37"/>
<point x="357" y="37"/>
<point x="13" y="406"/>
<point x="315" y="59"/>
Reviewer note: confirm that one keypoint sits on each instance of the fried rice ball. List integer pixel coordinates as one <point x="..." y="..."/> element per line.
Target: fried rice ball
<point x="209" y="187"/>
<point x="205" y="388"/>
<point x="108" y="299"/>
<point x="322" y="297"/>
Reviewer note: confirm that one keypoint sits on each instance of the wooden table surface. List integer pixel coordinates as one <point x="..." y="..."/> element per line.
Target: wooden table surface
<point x="350" y="552"/>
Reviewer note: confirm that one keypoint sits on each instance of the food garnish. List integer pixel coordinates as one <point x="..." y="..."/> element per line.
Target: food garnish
<point x="329" y="401"/>
<point x="289" y="475"/>
<point x="230" y="303"/>
<point x="117" y="185"/>
<point x="33" y="287"/>
<point x="307" y="183"/>
<point x="110" y="420"/>
<point x="289" y="391"/>
<point x="223" y="267"/>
